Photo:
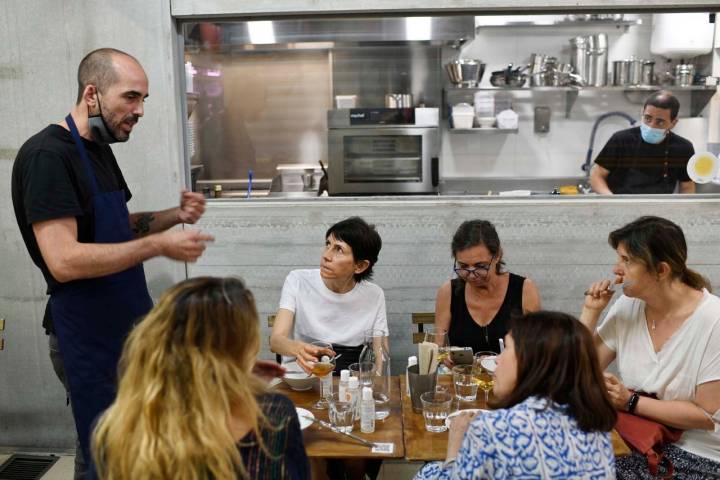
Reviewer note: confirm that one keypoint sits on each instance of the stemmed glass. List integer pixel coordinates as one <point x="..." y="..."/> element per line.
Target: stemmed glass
<point x="484" y="376"/>
<point x="321" y="370"/>
<point x="439" y="337"/>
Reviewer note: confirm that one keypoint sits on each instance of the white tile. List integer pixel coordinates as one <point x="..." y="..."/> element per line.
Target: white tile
<point x="63" y="469"/>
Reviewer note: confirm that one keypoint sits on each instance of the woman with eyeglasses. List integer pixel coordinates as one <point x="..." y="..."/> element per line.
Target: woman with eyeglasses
<point x="336" y="303"/>
<point x="475" y="308"/>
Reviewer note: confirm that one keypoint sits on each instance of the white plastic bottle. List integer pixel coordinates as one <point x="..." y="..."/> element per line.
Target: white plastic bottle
<point x="343" y="383"/>
<point x="326" y="386"/>
<point x="353" y="392"/>
<point x="367" y="411"/>
<point x="412" y="360"/>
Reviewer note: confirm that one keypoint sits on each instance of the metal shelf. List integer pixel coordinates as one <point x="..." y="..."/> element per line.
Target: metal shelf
<point x="566" y="23"/>
<point x="483" y="130"/>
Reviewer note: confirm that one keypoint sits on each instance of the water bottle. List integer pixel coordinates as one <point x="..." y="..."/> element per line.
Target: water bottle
<point x="353" y="392"/>
<point x="367" y="411"/>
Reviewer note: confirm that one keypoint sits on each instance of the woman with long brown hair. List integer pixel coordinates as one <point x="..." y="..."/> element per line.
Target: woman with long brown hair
<point x="552" y="417"/>
<point x="188" y="404"/>
<point x="664" y="333"/>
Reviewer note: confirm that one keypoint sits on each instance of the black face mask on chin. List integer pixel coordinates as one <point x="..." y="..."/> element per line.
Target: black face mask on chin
<point x="98" y="128"/>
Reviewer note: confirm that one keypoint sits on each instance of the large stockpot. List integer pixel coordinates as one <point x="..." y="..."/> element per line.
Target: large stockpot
<point x="635" y="69"/>
<point x="648" y="72"/>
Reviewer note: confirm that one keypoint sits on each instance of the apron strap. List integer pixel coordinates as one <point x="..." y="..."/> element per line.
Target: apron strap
<point x="83" y="155"/>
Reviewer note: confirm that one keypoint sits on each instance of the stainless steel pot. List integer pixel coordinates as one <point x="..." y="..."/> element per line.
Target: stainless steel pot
<point x="398" y="100"/>
<point x="648" y="72"/>
<point x="684" y="74"/>
<point x="621" y="71"/>
<point x="635" y="71"/>
<point x="465" y="72"/>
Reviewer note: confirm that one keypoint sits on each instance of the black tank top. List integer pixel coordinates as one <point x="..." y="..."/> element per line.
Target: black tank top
<point x="465" y="332"/>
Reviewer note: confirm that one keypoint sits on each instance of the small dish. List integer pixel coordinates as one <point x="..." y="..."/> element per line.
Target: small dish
<point x="302" y="413"/>
<point x="489" y="364"/>
<point x="703" y="167"/>
<point x="449" y="418"/>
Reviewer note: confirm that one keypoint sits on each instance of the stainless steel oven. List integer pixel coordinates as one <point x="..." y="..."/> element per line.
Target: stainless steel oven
<point x="383" y="150"/>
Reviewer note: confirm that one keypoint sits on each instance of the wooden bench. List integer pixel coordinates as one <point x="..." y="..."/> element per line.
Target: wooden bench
<point x="421" y="319"/>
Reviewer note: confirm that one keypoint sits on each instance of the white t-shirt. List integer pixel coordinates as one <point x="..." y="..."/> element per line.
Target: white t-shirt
<point x="338" y="318"/>
<point x="689" y="358"/>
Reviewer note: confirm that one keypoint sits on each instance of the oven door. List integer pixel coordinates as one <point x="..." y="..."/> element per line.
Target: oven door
<point x="383" y="160"/>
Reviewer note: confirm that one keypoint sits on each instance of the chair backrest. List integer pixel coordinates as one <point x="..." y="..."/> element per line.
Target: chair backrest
<point x="271" y="322"/>
<point x="421" y="319"/>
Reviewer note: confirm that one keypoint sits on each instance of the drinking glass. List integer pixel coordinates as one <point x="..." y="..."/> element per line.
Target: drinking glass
<point x="322" y="370"/>
<point x="436" y="408"/>
<point x="466" y="386"/>
<point x="439" y="337"/>
<point x="342" y="412"/>
<point x="364" y="372"/>
<point x="483" y="376"/>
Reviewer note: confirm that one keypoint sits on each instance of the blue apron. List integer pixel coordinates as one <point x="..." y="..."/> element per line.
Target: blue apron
<point x="92" y="317"/>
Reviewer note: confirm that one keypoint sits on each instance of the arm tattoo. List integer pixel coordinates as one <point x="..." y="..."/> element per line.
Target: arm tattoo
<point x="142" y="223"/>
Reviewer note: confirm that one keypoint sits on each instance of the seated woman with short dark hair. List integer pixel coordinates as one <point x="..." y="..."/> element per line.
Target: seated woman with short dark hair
<point x="188" y="404"/>
<point x="552" y="417"/>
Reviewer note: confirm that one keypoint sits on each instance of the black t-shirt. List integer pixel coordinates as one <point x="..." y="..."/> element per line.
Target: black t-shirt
<point x="639" y="167"/>
<point x="49" y="181"/>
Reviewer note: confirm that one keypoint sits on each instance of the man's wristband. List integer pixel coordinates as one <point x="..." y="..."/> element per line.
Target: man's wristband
<point x="632" y="402"/>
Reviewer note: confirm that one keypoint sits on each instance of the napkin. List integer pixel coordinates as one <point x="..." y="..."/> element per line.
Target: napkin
<point x="426" y="352"/>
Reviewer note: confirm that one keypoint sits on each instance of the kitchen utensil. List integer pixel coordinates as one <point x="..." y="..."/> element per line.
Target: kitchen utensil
<point x="597" y="49"/>
<point x="684" y="74"/>
<point x="398" y="100"/>
<point x="635" y="71"/>
<point x="465" y="72"/>
<point x="330" y="427"/>
<point x="613" y="287"/>
<point x="648" y="72"/>
<point x="509" y="77"/>
<point x="621" y="73"/>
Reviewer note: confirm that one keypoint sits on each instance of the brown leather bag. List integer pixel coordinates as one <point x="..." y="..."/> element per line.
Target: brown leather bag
<point x="648" y="437"/>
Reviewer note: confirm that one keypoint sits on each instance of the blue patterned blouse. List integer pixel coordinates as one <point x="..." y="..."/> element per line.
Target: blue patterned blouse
<point x="530" y="440"/>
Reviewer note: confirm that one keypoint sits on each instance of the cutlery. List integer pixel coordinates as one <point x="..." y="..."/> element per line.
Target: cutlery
<point x="330" y="427"/>
<point x="613" y="287"/>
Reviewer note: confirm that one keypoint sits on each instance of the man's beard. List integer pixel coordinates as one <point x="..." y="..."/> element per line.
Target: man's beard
<point x="115" y="125"/>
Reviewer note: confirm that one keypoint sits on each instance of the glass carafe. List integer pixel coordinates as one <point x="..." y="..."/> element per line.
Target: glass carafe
<point x="376" y="351"/>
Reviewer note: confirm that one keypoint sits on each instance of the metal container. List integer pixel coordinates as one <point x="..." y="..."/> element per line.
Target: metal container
<point x="635" y="71"/>
<point x="621" y="70"/>
<point x="684" y="74"/>
<point x="598" y="61"/>
<point x="579" y="56"/>
<point x="398" y="100"/>
<point x="465" y="72"/>
<point x="648" y="72"/>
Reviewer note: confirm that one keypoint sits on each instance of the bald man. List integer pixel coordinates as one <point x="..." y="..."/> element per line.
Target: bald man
<point x="70" y="201"/>
<point x="647" y="159"/>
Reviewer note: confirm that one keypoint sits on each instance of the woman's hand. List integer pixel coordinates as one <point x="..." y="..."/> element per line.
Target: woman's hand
<point x="598" y="295"/>
<point x="267" y="369"/>
<point x="308" y="355"/>
<point x="619" y="395"/>
<point x="458" y="427"/>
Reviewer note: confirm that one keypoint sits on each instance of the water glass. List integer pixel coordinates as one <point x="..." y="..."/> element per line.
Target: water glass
<point x="466" y="386"/>
<point x="436" y="408"/>
<point x="341" y="413"/>
<point x="364" y="372"/>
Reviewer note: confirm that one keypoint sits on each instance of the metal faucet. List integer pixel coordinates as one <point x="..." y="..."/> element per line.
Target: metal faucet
<point x="588" y="158"/>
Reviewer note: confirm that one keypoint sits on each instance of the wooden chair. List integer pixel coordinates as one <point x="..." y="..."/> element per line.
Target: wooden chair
<point x="421" y="319"/>
<point x="271" y="322"/>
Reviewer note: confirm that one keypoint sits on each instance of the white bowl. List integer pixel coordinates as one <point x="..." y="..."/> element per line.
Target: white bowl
<point x="296" y="378"/>
<point x="486" y="122"/>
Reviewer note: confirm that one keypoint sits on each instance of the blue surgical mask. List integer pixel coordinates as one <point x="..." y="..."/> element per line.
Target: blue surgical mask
<point x="652" y="135"/>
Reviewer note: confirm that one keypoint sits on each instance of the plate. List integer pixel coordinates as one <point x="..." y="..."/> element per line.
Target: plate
<point x="304" y="422"/>
<point x="703" y="167"/>
<point x="449" y="418"/>
<point x="489" y="364"/>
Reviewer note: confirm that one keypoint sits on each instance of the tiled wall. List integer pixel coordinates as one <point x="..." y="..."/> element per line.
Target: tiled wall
<point x="561" y="151"/>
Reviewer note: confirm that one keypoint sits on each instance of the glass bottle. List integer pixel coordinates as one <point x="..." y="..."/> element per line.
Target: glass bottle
<point x="376" y="351"/>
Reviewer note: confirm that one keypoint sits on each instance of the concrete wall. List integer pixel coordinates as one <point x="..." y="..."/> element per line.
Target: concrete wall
<point x="43" y="42"/>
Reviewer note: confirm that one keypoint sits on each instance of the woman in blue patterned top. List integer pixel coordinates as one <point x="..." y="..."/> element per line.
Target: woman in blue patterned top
<point x="552" y="414"/>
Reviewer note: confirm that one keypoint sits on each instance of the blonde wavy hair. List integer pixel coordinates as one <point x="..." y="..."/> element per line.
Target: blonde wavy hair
<point x="183" y="370"/>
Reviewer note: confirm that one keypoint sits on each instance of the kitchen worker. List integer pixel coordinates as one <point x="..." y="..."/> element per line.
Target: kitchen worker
<point x="646" y="159"/>
<point x="70" y="201"/>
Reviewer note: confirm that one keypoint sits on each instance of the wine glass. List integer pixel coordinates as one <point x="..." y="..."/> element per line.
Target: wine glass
<point x="322" y="369"/>
<point x="484" y="371"/>
<point x="439" y="336"/>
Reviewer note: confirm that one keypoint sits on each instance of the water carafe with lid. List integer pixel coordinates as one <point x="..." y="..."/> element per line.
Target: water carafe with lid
<point x="375" y="351"/>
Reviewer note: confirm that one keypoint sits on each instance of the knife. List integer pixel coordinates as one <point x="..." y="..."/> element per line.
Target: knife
<point x="329" y="426"/>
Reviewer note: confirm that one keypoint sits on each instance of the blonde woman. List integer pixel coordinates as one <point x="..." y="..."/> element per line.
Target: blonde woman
<point x="188" y="404"/>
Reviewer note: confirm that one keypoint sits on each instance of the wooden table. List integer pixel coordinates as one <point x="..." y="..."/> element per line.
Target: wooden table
<point x="423" y="445"/>
<point x="320" y="442"/>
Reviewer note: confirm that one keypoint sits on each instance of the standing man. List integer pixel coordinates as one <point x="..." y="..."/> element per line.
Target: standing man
<point x="646" y="159"/>
<point x="70" y="201"/>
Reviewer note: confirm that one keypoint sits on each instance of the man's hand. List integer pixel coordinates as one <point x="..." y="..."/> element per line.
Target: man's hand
<point x="183" y="245"/>
<point x="192" y="207"/>
<point x="267" y="369"/>
<point x="619" y="395"/>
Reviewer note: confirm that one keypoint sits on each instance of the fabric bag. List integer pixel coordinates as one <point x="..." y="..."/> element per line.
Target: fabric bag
<point x="648" y="437"/>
